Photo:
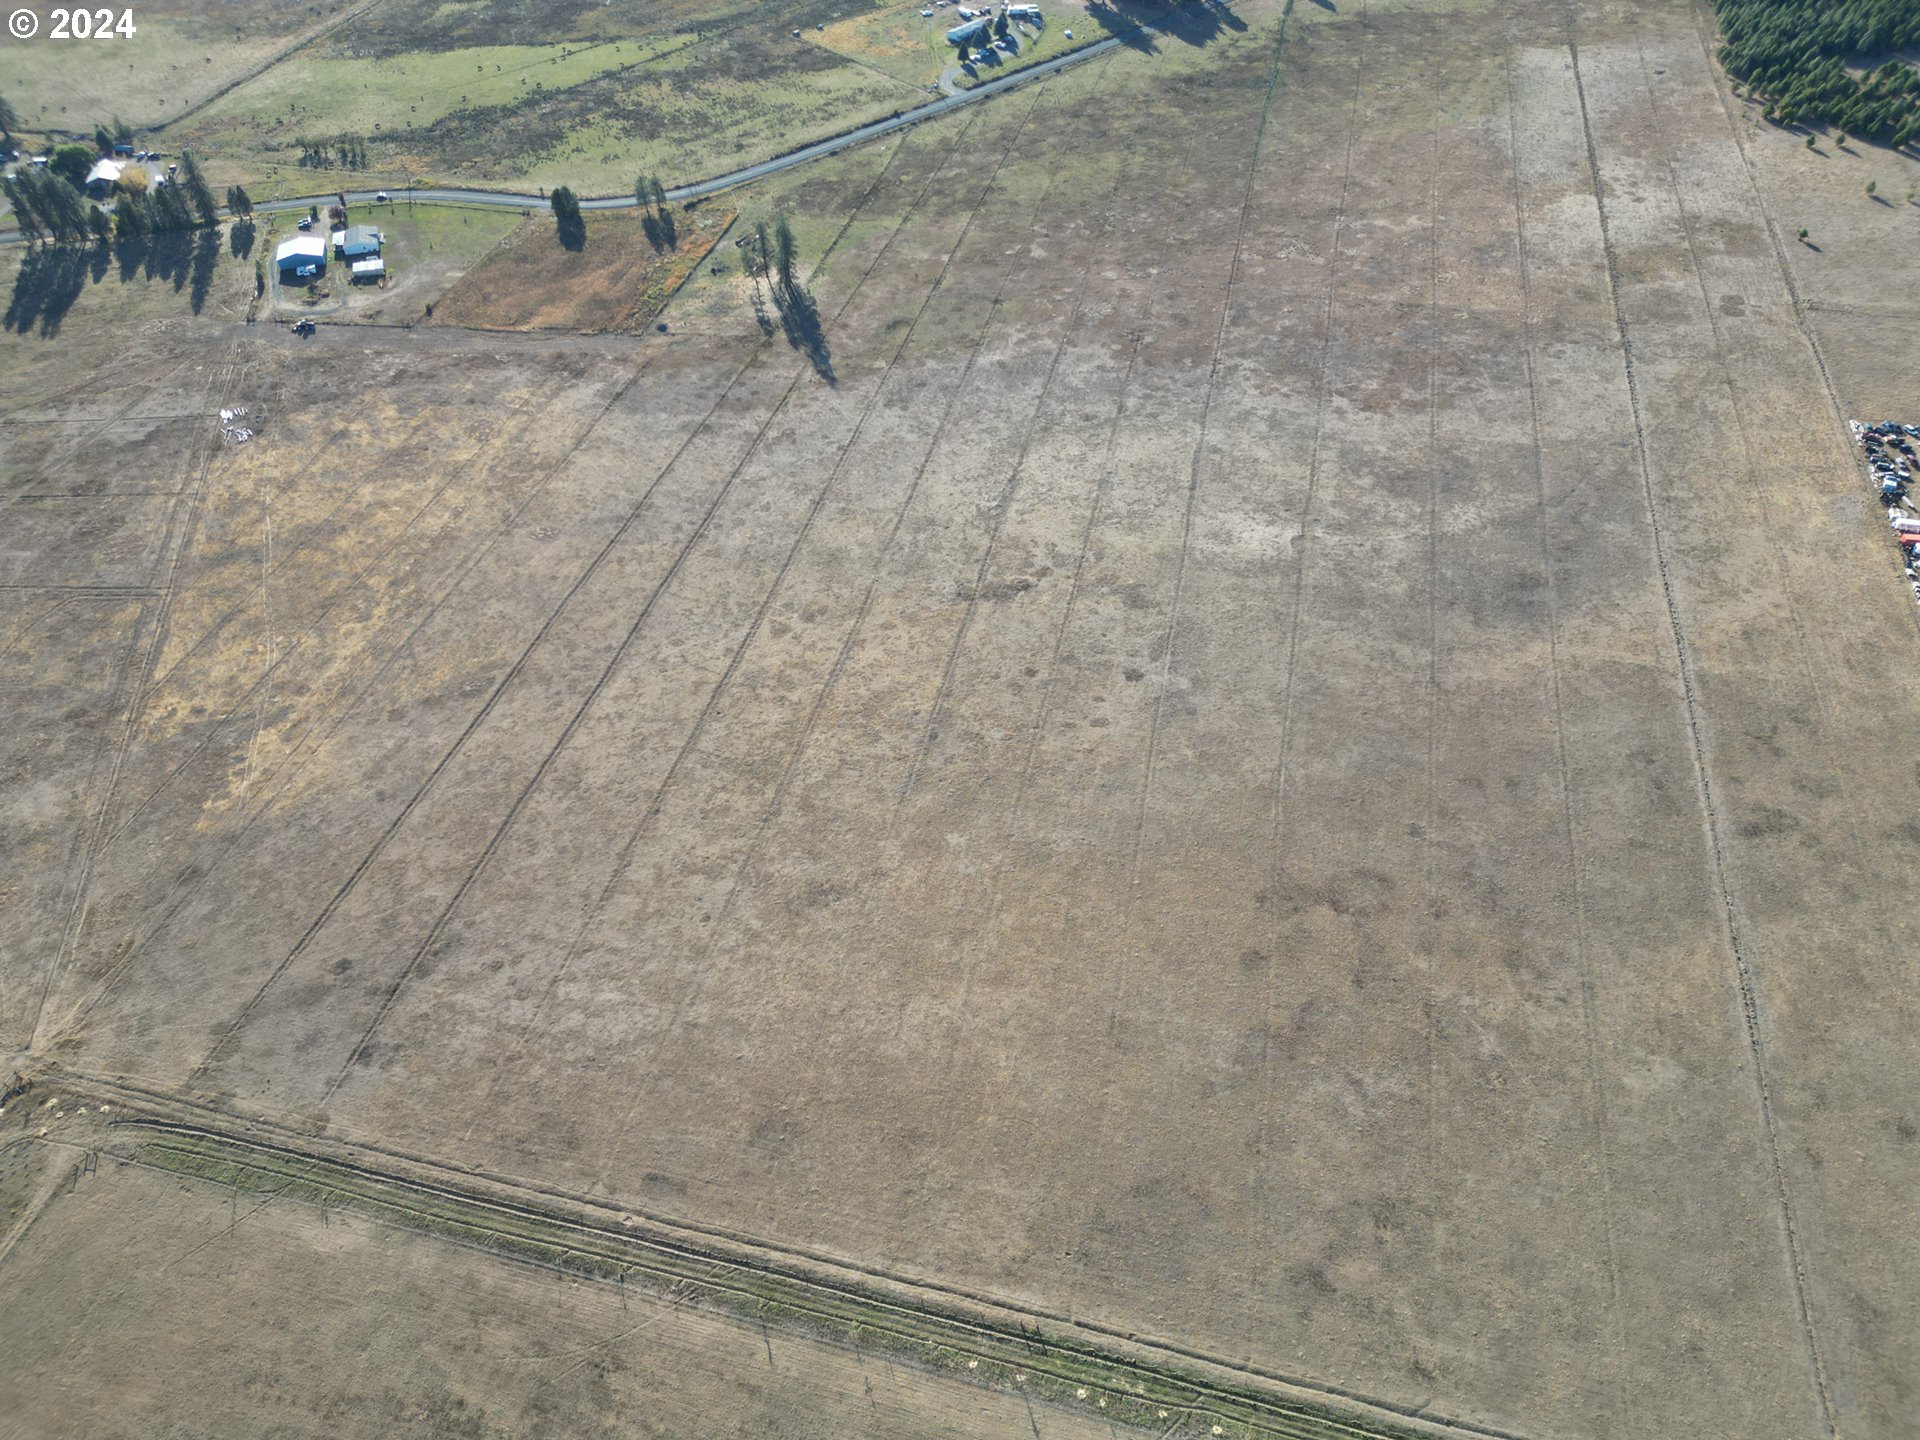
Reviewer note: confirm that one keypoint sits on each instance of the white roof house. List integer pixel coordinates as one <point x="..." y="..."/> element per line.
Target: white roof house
<point x="370" y="269"/>
<point x="104" y="175"/>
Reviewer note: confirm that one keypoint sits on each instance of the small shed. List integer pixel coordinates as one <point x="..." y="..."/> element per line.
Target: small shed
<point x="360" y="242"/>
<point x="301" y="258"/>
<point x="369" y="270"/>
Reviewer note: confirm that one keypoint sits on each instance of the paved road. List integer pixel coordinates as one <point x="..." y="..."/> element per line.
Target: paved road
<point x="697" y="188"/>
<point x="512" y="200"/>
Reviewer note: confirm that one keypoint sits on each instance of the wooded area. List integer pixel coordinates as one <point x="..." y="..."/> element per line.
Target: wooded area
<point x="1813" y="62"/>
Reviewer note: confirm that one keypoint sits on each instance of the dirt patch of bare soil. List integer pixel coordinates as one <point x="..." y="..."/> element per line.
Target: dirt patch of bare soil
<point x="617" y="279"/>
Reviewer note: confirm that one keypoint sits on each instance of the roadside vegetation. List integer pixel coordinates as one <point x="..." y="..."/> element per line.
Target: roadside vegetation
<point x="1846" y="64"/>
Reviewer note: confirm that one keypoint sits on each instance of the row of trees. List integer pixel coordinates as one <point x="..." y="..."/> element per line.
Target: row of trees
<point x="344" y="152"/>
<point x="52" y="210"/>
<point x="1795" y="55"/>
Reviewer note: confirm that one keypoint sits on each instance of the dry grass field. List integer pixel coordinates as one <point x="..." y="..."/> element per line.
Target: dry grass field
<point x="1294" y="760"/>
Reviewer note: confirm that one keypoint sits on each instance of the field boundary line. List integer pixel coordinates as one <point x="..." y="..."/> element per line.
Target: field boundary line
<point x="623" y="858"/>
<point x="346" y="593"/>
<point x="701" y="970"/>
<point x="111" y="978"/>
<point x="597" y="1239"/>
<point x="297" y="766"/>
<point x="1582" y="939"/>
<point x="1283" y="759"/>
<point x="190" y="501"/>
<point x="1746" y="984"/>
<point x="1198" y="462"/>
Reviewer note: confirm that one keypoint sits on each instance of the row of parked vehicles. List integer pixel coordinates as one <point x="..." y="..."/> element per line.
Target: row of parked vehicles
<point x="1889" y="447"/>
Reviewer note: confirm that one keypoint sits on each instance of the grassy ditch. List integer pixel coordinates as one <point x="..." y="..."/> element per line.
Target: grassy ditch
<point x="1034" y="1358"/>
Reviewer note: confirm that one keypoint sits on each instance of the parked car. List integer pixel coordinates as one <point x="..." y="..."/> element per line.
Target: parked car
<point x="383" y="197"/>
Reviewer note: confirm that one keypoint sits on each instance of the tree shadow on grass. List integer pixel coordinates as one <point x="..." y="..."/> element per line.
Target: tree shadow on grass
<point x="51" y="279"/>
<point x="1197" y="23"/>
<point x="800" y="318"/>
<point x="663" y="231"/>
<point x="48" y="282"/>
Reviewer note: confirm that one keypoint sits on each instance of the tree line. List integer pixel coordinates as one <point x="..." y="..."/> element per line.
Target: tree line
<point x="1795" y="56"/>
<point x="52" y="208"/>
<point x="344" y="152"/>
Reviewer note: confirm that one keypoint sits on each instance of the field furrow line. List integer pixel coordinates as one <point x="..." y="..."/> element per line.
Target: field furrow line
<point x="580" y="713"/>
<point x="1622" y="1387"/>
<point x="1746" y="983"/>
<point x="1276" y="829"/>
<point x="183" y="897"/>
<point x="180" y="532"/>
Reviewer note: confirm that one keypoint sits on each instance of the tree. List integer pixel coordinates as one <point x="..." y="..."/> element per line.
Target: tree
<point x="71" y="163"/>
<point x="198" y="193"/>
<point x="783" y="253"/>
<point x="122" y="132"/>
<point x="102" y="140"/>
<point x="134" y="181"/>
<point x="643" y="192"/>
<point x="238" y="201"/>
<point x="659" y="194"/>
<point x="9" y="121"/>
<point x="1871" y="187"/>
<point x="1802" y="237"/>
<point x="571" y="228"/>
<point x="23" y="212"/>
<point x="98" y="224"/>
<point x="132" y="218"/>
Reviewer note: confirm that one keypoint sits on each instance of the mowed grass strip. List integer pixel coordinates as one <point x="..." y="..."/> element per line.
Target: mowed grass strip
<point x="1033" y="1358"/>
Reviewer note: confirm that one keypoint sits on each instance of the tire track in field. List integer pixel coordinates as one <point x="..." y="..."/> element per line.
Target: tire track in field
<point x="1745" y="982"/>
<point x="1752" y="466"/>
<point x="346" y="595"/>
<point x="706" y="712"/>
<point x="473" y="726"/>
<point x="657" y="804"/>
<point x="742" y="880"/>
<point x="120" y="967"/>
<point x="1198" y="464"/>
<point x="1597" y="1116"/>
<point x="953" y="393"/>
<point x="1276" y="829"/>
<point x="1000" y="509"/>
<point x="1102" y="486"/>
<point x="187" y="526"/>
<point x="1428" y="840"/>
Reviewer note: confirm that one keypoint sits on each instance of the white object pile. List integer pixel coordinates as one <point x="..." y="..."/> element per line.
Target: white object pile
<point x="230" y="430"/>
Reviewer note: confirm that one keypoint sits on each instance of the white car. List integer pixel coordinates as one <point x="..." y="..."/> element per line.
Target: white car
<point x="382" y="197"/>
